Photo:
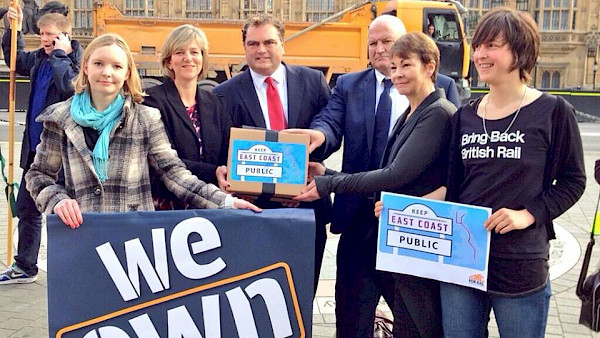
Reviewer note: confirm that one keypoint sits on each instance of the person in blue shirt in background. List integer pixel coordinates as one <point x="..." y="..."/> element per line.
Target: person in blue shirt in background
<point x="51" y="70"/>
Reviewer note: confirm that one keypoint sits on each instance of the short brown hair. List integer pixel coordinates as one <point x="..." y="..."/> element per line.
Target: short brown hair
<point x="133" y="84"/>
<point x="263" y="19"/>
<point x="420" y="45"/>
<point x="519" y="31"/>
<point x="181" y="37"/>
<point x="56" y="19"/>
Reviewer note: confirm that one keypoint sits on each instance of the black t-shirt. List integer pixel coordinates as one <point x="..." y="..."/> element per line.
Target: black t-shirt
<point x="505" y="168"/>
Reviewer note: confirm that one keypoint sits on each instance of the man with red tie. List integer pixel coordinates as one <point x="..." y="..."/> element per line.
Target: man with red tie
<point x="271" y="94"/>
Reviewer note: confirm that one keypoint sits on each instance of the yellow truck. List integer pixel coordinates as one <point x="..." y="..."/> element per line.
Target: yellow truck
<point x="334" y="47"/>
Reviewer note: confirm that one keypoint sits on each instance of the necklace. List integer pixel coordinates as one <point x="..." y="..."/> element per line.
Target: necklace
<point x="511" y="122"/>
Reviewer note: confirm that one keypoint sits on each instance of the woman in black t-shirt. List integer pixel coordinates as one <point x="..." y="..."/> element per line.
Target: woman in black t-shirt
<point x="517" y="151"/>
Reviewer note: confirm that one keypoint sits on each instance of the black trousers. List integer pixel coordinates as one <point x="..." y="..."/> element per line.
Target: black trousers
<point x="414" y="301"/>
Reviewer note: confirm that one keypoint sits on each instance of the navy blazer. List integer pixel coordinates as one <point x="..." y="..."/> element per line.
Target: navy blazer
<point x="349" y="115"/>
<point x="308" y="93"/>
<point x="449" y="87"/>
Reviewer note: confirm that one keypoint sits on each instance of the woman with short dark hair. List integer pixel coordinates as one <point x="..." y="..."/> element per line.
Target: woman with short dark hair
<point x="414" y="163"/>
<point x="518" y="151"/>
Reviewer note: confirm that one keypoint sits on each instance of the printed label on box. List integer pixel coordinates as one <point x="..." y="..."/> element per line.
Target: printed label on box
<point x="268" y="162"/>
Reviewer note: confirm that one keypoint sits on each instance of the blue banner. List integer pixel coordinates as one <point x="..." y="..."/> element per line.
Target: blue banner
<point x="193" y="273"/>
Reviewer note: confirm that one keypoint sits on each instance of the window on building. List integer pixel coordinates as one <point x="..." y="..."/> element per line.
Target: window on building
<point x="556" y="15"/>
<point x="473" y="3"/>
<point x="522" y="5"/>
<point x="252" y="7"/>
<point x="472" y="20"/>
<point x="317" y="10"/>
<point x="546" y="80"/>
<point x="486" y="4"/>
<point x="139" y="7"/>
<point x="556" y="80"/>
<point x="82" y="12"/>
<point x="198" y="9"/>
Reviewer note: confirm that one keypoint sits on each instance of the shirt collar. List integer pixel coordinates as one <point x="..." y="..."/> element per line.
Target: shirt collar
<point x="278" y="75"/>
<point x="379" y="77"/>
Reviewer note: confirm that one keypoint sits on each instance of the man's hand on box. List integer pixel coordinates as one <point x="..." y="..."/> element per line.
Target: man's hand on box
<point x="317" y="138"/>
<point x="315" y="169"/>
<point x="309" y="193"/>
<point x="221" y="174"/>
<point x="290" y="204"/>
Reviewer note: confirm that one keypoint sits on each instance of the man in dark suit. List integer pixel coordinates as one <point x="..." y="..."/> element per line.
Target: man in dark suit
<point x="449" y="86"/>
<point x="355" y="114"/>
<point x="273" y="95"/>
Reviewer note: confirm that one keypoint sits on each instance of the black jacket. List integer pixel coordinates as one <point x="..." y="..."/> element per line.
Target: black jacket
<point x="215" y="123"/>
<point x="64" y="68"/>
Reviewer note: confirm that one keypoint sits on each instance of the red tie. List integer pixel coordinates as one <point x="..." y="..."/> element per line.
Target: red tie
<point x="275" y="107"/>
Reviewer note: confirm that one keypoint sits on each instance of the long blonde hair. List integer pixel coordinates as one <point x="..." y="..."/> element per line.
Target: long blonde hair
<point x="133" y="84"/>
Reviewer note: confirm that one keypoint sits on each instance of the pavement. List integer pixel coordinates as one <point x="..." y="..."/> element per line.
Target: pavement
<point x="23" y="308"/>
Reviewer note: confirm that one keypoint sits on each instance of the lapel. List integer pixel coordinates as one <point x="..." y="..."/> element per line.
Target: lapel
<point x="177" y="106"/>
<point x="368" y="87"/>
<point x="210" y="132"/>
<point x="74" y="133"/>
<point x="250" y="99"/>
<point x="295" y="95"/>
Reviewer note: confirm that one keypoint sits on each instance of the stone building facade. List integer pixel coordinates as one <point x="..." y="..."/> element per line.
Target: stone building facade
<point x="569" y="28"/>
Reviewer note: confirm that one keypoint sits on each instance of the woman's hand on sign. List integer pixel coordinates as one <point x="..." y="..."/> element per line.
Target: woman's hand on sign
<point x="309" y="193"/>
<point x="315" y="169"/>
<point x="317" y="138"/>
<point x="69" y="212"/>
<point x="506" y="220"/>
<point x="378" y="208"/>
<point x="221" y="174"/>
<point x="239" y="203"/>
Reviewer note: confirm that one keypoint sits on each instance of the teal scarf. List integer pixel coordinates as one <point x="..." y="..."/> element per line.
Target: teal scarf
<point x="85" y="115"/>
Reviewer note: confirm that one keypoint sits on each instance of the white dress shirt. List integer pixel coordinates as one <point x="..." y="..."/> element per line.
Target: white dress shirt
<point x="280" y="81"/>
<point x="399" y="102"/>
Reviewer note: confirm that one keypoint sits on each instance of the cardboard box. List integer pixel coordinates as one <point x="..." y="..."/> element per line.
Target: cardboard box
<point x="267" y="163"/>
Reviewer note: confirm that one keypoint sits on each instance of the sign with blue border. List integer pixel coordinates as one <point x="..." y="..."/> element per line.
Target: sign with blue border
<point x="268" y="162"/>
<point x="434" y="239"/>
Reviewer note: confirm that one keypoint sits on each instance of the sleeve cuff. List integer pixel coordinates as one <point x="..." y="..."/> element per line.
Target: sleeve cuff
<point x="228" y="202"/>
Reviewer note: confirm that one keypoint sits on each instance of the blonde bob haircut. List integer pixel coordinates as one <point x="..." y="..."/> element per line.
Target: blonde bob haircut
<point x="181" y="37"/>
<point x="133" y="84"/>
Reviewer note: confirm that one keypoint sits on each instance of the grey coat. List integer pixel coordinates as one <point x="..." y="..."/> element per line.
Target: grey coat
<point x="138" y="141"/>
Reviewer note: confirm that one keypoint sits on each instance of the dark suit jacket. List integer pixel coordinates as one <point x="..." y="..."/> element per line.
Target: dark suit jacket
<point x="349" y="115"/>
<point x="307" y="94"/>
<point x="214" y="129"/>
<point x="449" y="87"/>
<point x="415" y="158"/>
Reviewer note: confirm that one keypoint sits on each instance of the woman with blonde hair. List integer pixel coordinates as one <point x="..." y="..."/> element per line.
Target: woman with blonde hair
<point x="106" y="142"/>
<point x="195" y="120"/>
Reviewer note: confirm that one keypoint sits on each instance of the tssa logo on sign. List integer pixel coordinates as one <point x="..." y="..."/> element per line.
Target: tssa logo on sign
<point x="198" y="277"/>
